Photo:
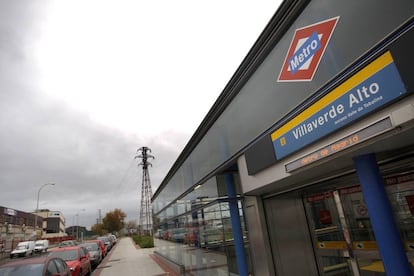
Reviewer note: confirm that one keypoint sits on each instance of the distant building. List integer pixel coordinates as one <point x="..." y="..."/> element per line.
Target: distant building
<point x="71" y="230"/>
<point x="78" y="232"/>
<point x="15" y="224"/>
<point x="53" y="223"/>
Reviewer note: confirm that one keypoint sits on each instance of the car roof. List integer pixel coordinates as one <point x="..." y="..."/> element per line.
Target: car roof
<point x="89" y="241"/>
<point x="84" y="244"/>
<point x="33" y="260"/>
<point x="66" y="248"/>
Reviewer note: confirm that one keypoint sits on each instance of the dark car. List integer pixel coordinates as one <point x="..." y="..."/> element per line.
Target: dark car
<point x="95" y="252"/>
<point x="38" y="266"/>
<point x="101" y="245"/>
<point x="178" y="234"/>
<point x="76" y="257"/>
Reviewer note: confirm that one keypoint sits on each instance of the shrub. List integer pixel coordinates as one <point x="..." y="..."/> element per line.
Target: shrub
<point x="144" y="241"/>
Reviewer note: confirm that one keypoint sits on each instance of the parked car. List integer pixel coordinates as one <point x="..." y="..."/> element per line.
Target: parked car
<point x="76" y="257"/>
<point x="178" y="234"/>
<point x="95" y="253"/>
<point x="106" y="241"/>
<point x="190" y="237"/>
<point x="23" y="249"/>
<point x="41" y="246"/>
<point x="167" y="235"/>
<point x="68" y="243"/>
<point x="101" y="246"/>
<point x="113" y="238"/>
<point x="158" y="234"/>
<point x="38" y="266"/>
<point x="211" y="237"/>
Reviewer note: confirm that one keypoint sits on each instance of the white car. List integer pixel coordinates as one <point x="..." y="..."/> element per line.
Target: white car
<point x="23" y="249"/>
<point x="41" y="246"/>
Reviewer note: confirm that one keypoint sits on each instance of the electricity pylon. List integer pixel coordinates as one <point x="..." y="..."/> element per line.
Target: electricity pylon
<point x="145" y="215"/>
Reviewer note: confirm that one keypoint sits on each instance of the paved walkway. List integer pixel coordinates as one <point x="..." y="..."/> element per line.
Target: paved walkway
<point x="126" y="259"/>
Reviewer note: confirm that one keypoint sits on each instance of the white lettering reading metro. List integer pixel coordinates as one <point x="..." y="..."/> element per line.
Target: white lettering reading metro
<point x="357" y="97"/>
<point x="299" y="58"/>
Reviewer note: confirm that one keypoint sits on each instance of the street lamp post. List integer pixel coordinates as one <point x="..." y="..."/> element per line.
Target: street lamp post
<point x="37" y="206"/>
<point x="77" y="223"/>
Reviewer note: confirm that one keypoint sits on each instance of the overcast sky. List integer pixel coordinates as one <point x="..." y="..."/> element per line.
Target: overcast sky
<point x="84" y="84"/>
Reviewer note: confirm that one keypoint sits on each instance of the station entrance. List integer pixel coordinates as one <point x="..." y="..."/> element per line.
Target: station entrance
<point x="327" y="229"/>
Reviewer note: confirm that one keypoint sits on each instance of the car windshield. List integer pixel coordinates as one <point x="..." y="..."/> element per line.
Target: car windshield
<point x="91" y="246"/>
<point x="67" y="243"/>
<point x="104" y="239"/>
<point x="67" y="255"/>
<point x="22" y="270"/>
<point x="19" y="247"/>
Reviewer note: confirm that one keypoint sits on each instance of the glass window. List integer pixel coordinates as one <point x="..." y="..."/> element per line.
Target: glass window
<point x="400" y="191"/>
<point x="200" y="195"/>
<point x="51" y="268"/>
<point x="61" y="265"/>
<point x="186" y="238"/>
<point x="202" y="238"/>
<point x="82" y="252"/>
<point x="67" y="255"/>
<point x="357" y="217"/>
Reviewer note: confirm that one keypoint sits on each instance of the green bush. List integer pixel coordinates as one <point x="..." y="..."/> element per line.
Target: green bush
<point x="144" y="241"/>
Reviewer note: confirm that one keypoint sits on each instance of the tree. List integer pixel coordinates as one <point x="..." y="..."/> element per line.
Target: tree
<point x="114" y="221"/>
<point x="99" y="230"/>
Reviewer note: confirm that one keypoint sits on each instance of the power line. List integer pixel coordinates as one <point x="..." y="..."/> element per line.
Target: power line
<point x="125" y="174"/>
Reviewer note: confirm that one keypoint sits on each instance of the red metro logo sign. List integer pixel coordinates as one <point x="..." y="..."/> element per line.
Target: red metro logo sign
<point x="306" y="50"/>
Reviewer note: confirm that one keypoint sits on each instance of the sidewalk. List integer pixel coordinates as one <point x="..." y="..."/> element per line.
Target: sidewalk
<point x="126" y="259"/>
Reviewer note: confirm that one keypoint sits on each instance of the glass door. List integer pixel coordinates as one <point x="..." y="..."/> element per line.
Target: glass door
<point x="364" y="245"/>
<point x="400" y="190"/>
<point x="344" y="240"/>
<point x="331" y="234"/>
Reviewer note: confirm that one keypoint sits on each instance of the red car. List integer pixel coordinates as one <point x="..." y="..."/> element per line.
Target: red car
<point x="101" y="245"/>
<point x="42" y="266"/>
<point x="76" y="257"/>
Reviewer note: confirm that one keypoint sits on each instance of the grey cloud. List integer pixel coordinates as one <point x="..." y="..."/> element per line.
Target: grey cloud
<point x="42" y="140"/>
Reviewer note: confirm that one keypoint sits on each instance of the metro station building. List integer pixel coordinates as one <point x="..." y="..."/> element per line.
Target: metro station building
<point x="305" y="163"/>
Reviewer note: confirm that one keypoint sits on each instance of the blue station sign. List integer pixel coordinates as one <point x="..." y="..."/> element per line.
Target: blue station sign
<point x="370" y="88"/>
